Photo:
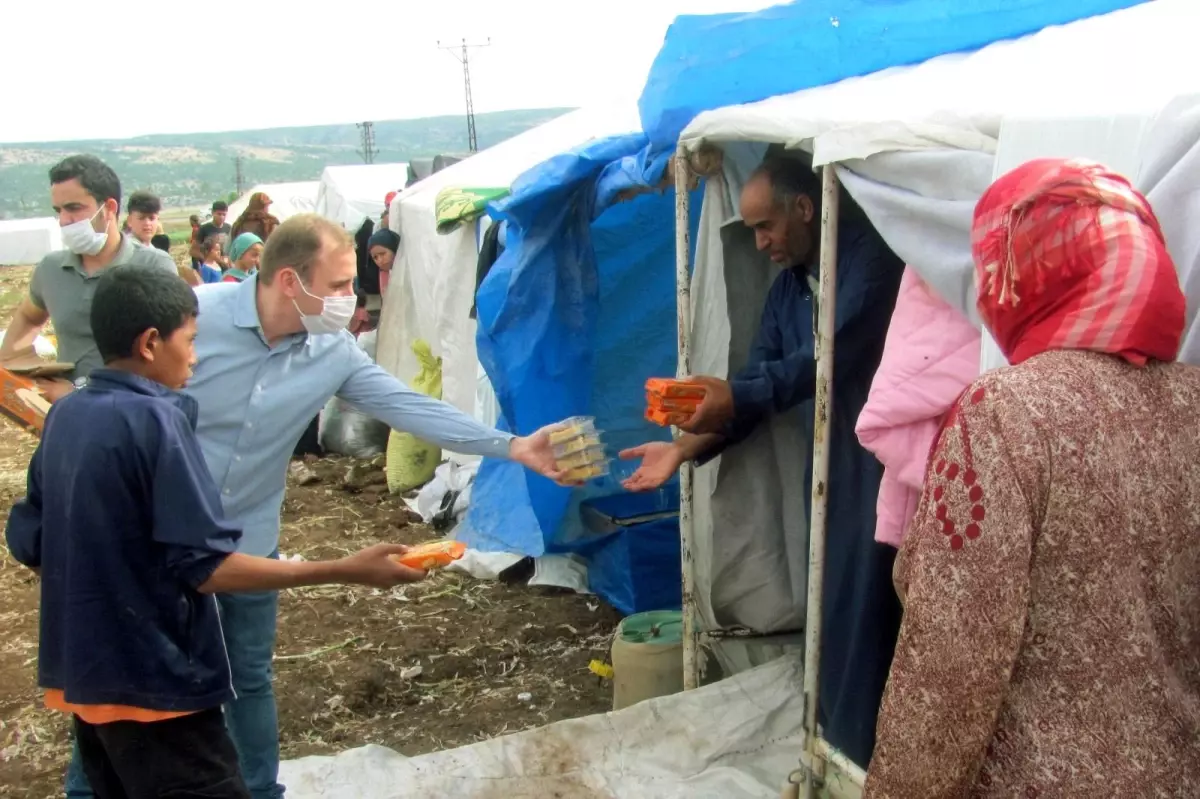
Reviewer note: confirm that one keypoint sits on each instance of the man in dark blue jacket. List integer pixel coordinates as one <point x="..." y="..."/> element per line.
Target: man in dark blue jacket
<point x="781" y="203"/>
<point x="125" y="525"/>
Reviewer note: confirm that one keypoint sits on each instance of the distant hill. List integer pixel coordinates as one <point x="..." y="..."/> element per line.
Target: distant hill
<point x="191" y="170"/>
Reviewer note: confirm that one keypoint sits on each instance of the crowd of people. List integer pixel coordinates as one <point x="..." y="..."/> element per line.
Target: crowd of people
<point x="187" y="405"/>
<point x="1033" y="634"/>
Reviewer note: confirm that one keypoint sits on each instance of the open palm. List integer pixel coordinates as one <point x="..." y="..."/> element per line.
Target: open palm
<point x="660" y="461"/>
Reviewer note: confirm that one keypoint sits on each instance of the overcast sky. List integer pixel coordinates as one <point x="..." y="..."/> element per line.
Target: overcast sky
<point x="81" y="69"/>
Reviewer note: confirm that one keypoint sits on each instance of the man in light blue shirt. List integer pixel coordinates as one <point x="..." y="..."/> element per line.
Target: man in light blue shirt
<point x="271" y="351"/>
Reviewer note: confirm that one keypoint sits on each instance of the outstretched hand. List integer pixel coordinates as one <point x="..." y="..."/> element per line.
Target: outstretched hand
<point x="660" y="461"/>
<point x="535" y="453"/>
<point x="376" y="566"/>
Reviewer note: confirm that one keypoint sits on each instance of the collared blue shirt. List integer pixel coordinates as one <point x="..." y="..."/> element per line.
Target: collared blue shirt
<point x="256" y="401"/>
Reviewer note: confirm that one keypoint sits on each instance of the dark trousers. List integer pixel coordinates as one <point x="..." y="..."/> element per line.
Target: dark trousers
<point x="190" y="757"/>
<point x="309" y="443"/>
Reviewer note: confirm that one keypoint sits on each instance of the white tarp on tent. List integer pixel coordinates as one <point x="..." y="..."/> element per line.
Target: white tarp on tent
<point x="432" y="285"/>
<point x="287" y="199"/>
<point x="350" y="194"/>
<point x="1130" y="61"/>
<point x="915" y="147"/>
<point x="26" y="241"/>
<point x="736" y="738"/>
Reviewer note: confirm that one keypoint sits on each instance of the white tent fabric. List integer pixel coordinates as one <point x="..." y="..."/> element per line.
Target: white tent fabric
<point x="1169" y="174"/>
<point x="740" y="737"/>
<point x="432" y="285"/>
<point x="915" y="148"/>
<point x="287" y="199"/>
<point x="350" y="194"/>
<point x="26" y="241"/>
<point x="1132" y="61"/>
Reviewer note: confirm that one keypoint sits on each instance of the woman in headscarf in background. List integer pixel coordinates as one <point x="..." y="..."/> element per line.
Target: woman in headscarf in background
<point x="256" y="218"/>
<point x="1051" y="636"/>
<point x="383" y="246"/>
<point x="245" y="254"/>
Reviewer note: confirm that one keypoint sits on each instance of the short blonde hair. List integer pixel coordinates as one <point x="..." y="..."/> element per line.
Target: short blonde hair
<point x="297" y="242"/>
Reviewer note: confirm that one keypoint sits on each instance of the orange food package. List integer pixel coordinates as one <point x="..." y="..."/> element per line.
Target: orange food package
<point x="660" y="403"/>
<point x="667" y="418"/>
<point x="434" y="555"/>
<point x="670" y="388"/>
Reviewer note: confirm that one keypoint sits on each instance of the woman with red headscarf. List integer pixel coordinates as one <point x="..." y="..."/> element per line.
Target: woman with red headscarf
<point x="1051" y="635"/>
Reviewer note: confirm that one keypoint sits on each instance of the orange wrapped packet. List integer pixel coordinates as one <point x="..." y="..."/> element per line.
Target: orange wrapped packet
<point x="433" y="555"/>
<point x="667" y="418"/>
<point x="660" y="403"/>
<point x="670" y="388"/>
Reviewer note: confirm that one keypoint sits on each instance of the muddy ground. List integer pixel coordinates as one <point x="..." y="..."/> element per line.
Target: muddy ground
<point x="417" y="669"/>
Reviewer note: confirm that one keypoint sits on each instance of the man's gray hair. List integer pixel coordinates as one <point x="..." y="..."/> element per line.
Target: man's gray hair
<point x="789" y="179"/>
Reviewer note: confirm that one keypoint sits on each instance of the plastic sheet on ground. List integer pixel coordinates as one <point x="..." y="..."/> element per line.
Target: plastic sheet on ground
<point x="736" y="738"/>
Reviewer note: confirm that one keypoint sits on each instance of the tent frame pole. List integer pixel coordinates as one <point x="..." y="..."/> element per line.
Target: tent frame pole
<point x="815" y="752"/>
<point x="683" y="307"/>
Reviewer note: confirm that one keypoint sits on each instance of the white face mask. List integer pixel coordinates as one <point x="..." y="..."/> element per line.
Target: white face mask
<point x="83" y="239"/>
<point x="335" y="315"/>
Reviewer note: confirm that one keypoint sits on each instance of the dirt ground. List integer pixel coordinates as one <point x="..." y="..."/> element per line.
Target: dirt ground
<point x="418" y="669"/>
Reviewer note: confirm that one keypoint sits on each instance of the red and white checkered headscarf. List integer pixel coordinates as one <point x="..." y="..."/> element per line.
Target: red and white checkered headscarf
<point x="1068" y="255"/>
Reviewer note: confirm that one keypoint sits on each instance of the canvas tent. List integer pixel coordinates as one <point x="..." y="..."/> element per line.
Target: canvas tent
<point x="287" y="199"/>
<point x="350" y="194"/>
<point x="26" y="241"/>
<point x="432" y="286"/>
<point x="559" y="346"/>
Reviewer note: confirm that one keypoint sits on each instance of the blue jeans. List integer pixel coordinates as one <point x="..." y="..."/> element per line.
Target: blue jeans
<point x="248" y="621"/>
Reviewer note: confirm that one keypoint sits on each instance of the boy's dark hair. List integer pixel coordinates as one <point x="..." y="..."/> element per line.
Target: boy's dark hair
<point x="220" y="205"/>
<point x="194" y="219"/>
<point x="131" y="299"/>
<point x="161" y="241"/>
<point x="144" y="203"/>
<point x="97" y="178"/>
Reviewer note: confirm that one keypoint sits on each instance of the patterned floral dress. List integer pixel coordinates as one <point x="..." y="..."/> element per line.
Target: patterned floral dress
<point x="1051" y="637"/>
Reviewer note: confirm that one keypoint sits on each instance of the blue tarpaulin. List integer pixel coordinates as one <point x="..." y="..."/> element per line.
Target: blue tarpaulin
<point x="580" y="308"/>
<point x="573" y="318"/>
<point x="717" y="60"/>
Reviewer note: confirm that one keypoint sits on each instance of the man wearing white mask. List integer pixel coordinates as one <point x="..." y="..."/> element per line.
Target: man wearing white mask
<point x="271" y="351"/>
<point x="86" y="194"/>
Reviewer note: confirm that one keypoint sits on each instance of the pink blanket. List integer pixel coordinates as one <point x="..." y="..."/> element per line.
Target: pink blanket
<point x="931" y="355"/>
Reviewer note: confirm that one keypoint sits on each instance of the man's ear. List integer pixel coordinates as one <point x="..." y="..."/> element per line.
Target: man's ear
<point x="147" y="344"/>
<point x="805" y="207"/>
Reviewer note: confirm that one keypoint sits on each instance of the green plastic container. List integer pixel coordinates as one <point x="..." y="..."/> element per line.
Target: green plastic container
<point x="647" y="657"/>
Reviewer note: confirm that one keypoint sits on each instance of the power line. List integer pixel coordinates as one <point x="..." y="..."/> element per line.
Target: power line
<point x="367" y="137"/>
<point x="472" y="143"/>
<point x="239" y="178"/>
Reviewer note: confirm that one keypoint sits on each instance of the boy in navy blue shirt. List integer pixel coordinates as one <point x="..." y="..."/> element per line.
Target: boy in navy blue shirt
<point x="125" y="526"/>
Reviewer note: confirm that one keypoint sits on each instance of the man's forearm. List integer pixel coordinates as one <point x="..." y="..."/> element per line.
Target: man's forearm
<point x="20" y="334"/>
<point x="692" y="447"/>
<point x="240" y="572"/>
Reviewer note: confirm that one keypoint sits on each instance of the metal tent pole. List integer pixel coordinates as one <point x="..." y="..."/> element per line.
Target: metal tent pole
<point x="814" y="754"/>
<point x="683" y="305"/>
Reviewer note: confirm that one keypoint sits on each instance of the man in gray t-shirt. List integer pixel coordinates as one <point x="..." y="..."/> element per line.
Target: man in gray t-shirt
<point x="87" y="198"/>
